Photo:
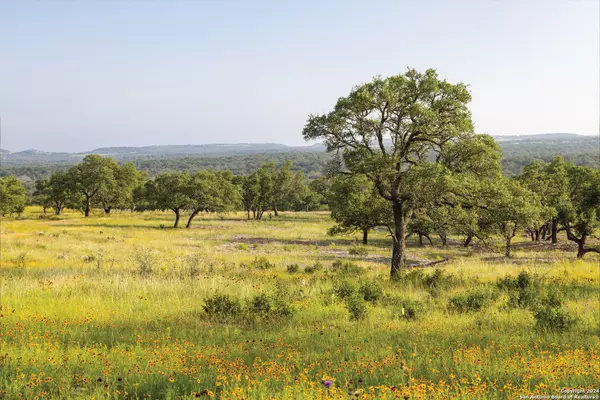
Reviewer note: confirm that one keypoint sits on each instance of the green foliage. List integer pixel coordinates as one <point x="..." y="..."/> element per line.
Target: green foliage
<point x="344" y="267"/>
<point x="436" y="145"/>
<point x="311" y="269"/>
<point x="356" y="206"/>
<point x="13" y="196"/>
<point x="357" y="307"/>
<point x="222" y="307"/>
<point x="262" y="263"/>
<point x="410" y="309"/>
<point x="371" y="291"/>
<point x="210" y="191"/>
<point x="292" y="268"/>
<point x="92" y="177"/>
<point x="345" y="289"/>
<point x="553" y="319"/>
<point x="511" y="207"/>
<point x="580" y="215"/>
<point x="523" y="290"/>
<point x="473" y="300"/>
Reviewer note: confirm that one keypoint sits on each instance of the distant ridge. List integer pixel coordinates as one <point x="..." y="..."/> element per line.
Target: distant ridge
<point x="509" y="143"/>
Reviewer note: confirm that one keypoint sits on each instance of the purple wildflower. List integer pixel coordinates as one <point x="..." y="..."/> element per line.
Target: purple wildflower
<point x="327" y="383"/>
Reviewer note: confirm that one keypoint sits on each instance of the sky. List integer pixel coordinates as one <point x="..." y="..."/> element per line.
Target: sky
<point x="77" y="75"/>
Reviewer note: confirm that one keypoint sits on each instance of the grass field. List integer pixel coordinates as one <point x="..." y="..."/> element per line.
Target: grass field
<point x="113" y="307"/>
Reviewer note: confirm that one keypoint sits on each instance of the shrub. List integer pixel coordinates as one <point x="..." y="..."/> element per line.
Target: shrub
<point x="438" y="282"/>
<point x="311" y="269"/>
<point x="292" y="268"/>
<point x="344" y="289"/>
<point x="145" y="263"/>
<point x="265" y="307"/>
<point x="410" y="309"/>
<point x="356" y="307"/>
<point x="553" y="319"/>
<point x="435" y="284"/>
<point x="523" y="290"/>
<point x="346" y="268"/>
<point x="243" y="246"/>
<point x="221" y="307"/>
<point x="262" y="263"/>
<point x="358" y="251"/>
<point x="474" y="300"/>
<point x="371" y="291"/>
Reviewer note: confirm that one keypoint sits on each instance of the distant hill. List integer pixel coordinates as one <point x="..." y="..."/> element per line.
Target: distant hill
<point x="243" y="158"/>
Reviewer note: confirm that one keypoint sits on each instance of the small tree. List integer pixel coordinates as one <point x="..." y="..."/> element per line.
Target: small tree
<point x="511" y="209"/>
<point x="356" y="206"/>
<point x="118" y="192"/>
<point x="581" y="215"/>
<point x="212" y="192"/>
<point x="92" y="176"/>
<point x="169" y="191"/>
<point x="57" y="192"/>
<point x="13" y="195"/>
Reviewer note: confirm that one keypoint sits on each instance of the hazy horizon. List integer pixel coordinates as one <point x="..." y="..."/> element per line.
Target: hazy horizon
<point x="77" y="76"/>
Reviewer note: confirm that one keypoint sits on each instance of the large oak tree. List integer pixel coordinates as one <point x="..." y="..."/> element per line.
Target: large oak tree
<point x="402" y="132"/>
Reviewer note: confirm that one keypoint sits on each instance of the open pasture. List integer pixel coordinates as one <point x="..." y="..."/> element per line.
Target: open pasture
<point x="124" y="306"/>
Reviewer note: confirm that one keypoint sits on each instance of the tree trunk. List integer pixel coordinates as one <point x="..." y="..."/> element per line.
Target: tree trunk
<point x="428" y="238"/>
<point x="248" y="212"/>
<point x="507" y="249"/>
<point x="468" y="240"/>
<point x="420" y="239"/>
<point x="275" y="211"/>
<point x="443" y="238"/>
<point x="554" y="230"/>
<point x="537" y="235"/>
<point x="177" y="215"/>
<point x="107" y="209"/>
<point x="580" y="247"/>
<point x="194" y="213"/>
<point x="88" y="205"/>
<point x="365" y="235"/>
<point x="399" y="237"/>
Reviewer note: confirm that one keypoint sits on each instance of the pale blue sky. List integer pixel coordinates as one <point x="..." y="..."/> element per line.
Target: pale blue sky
<point x="76" y="75"/>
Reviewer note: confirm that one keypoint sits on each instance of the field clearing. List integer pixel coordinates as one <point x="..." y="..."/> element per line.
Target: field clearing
<point x="112" y="307"/>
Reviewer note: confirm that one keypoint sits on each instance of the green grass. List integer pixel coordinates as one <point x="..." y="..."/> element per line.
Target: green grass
<point x="112" y="307"/>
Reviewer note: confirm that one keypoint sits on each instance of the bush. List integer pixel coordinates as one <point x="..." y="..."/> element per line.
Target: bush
<point x="358" y="251"/>
<point x="346" y="268"/>
<point x="438" y="282"/>
<point x="344" y="289"/>
<point x="265" y="307"/>
<point x="145" y="263"/>
<point x="472" y="301"/>
<point x="221" y="307"/>
<point x="314" y="268"/>
<point x="411" y="309"/>
<point x="292" y="268"/>
<point x="523" y="290"/>
<point x="553" y="319"/>
<point x="371" y="291"/>
<point x="356" y="307"/>
<point x="435" y="284"/>
<point x="262" y="263"/>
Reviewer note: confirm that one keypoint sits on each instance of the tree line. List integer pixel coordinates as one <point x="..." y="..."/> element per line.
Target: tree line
<point x="100" y="182"/>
